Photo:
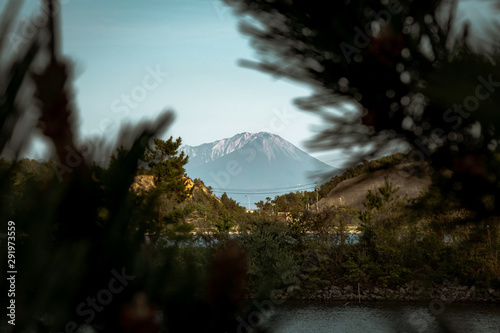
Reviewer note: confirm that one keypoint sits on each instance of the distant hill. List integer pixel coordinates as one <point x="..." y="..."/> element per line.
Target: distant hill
<point x="352" y="191"/>
<point x="255" y="165"/>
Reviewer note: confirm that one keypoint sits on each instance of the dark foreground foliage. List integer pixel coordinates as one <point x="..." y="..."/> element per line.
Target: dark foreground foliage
<point x="81" y="254"/>
<point x="382" y="73"/>
<point x="80" y="249"/>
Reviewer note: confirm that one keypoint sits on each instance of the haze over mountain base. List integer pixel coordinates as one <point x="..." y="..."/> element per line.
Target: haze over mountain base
<point x="257" y="165"/>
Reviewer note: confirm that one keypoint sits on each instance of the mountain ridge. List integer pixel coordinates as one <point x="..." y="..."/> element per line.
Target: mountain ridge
<point x="234" y="143"/>
<point x="251" y="162"/>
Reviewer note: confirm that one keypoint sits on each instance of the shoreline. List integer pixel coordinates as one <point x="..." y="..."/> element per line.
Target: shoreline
<point x="407" y="293"/>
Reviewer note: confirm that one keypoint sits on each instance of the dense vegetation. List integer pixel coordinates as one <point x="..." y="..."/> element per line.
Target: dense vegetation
<point x="398" y="241"/>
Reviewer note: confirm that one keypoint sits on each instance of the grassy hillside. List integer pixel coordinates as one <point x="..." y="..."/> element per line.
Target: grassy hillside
<point x="352" y="191"/>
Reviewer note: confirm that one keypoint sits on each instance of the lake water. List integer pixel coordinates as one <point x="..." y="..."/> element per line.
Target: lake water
<point x="423" y="317"/>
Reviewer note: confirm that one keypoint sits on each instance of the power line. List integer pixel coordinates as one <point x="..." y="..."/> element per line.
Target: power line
<point x="267" y="192"/>
<point x="263" y="189"/>
<point x="278" y="192"/>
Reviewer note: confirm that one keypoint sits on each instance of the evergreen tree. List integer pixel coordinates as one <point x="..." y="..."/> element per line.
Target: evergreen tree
<point x="167" y="166"/>
<point x="230" y="204"/>
<point x="389" y="72"/>
<point x="260" y="205"/>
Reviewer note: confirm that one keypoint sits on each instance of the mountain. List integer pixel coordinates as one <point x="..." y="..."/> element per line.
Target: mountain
<point x="255" y="165"/>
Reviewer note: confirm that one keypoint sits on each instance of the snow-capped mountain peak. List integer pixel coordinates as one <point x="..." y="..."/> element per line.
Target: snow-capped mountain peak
<point x="267" y="143"/>
<point x="254" y="164"/>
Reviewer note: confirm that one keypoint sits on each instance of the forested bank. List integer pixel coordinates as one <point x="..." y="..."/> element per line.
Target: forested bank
<point x="400" y="241"/>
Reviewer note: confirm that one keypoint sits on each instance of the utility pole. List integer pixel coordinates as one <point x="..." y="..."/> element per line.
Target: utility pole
<point x="53" y="28"/>
<point x="317" y="196"/>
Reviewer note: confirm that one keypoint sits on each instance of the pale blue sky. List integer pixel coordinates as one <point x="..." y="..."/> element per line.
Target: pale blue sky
<point x="115" y="44"/>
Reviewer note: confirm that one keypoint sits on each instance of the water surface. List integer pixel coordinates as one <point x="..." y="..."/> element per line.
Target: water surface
<point x="422" y="317"/>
